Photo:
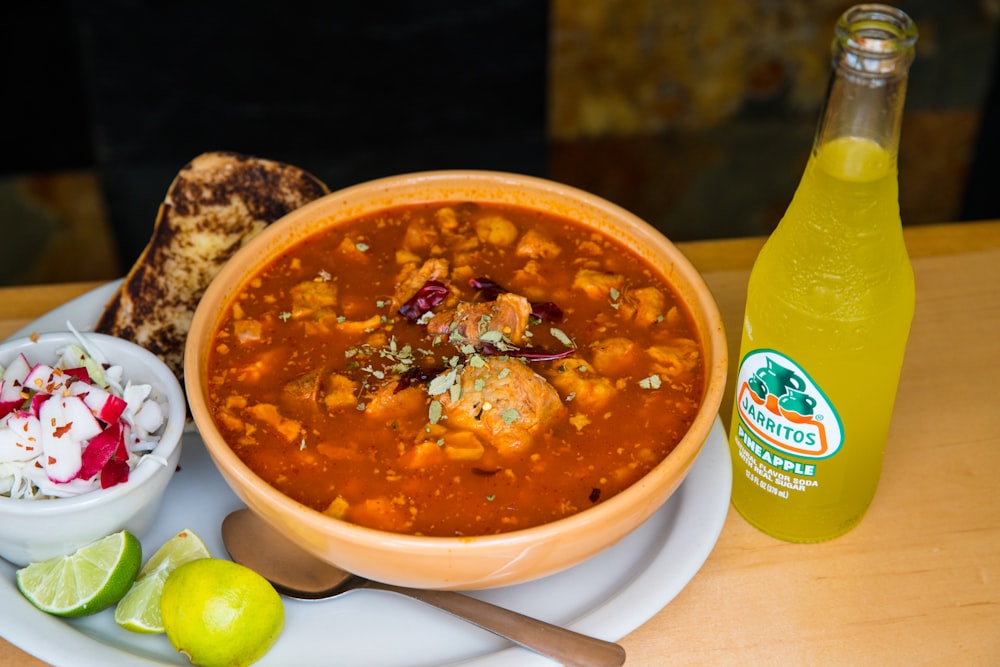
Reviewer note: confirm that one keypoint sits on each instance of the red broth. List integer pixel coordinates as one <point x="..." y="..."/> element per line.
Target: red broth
<point x="455" y="369"/>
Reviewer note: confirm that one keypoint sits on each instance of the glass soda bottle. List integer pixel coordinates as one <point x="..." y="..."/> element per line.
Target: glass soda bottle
<point x="829" y="304"/>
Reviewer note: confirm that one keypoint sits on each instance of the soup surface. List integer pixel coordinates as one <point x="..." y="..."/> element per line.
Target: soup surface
<point x="454" y="369"/>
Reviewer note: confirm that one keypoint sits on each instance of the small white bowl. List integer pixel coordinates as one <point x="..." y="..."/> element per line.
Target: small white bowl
<point x="34" y="530"/>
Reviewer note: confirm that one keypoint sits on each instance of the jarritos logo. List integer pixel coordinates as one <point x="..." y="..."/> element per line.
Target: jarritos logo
<point x="779" y="403"/>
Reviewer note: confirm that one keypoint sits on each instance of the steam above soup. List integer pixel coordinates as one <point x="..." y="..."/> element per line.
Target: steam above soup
<point x="454" y="369"/>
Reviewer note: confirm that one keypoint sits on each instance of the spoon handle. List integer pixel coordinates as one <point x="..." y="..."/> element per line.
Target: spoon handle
<point x="569" y="648"/>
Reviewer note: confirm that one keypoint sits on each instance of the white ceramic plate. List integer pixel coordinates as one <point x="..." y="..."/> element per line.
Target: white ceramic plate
<point x="607" y="596"/>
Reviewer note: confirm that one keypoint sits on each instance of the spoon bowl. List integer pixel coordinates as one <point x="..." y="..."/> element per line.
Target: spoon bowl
<point x="294" y="572"/>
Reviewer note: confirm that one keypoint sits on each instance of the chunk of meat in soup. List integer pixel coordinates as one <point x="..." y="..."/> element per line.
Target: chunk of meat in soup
<point x="504" y="402"/>
<point x="589" y="390"/>
<point x="508" y="315"/>
<point x="313" y="299"/>
<point x="616" y="356"/>
<point x="678" y="360"/>
<point x="536" y="245"/>
<point x="413" y="277"/>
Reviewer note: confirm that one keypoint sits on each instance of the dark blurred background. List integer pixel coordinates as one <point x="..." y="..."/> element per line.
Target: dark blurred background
<point x="696" y="115"/>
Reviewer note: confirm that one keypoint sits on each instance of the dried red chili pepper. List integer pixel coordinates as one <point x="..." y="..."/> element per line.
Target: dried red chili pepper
<point x="528" y="355"/>
<point x="432" y="294"/>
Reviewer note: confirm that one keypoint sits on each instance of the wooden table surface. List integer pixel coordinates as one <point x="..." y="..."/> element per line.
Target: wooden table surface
<point x="918" y="582"/>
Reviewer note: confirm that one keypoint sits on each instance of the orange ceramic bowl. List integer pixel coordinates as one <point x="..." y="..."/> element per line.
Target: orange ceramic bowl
<point x="460" y="562"/>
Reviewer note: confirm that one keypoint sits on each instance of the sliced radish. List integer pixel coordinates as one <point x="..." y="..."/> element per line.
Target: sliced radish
<point x="115" y="472"/>
<point x="11" y="449"/>
<point x="11" y="384"/>
<point x="67" y="423"/>
<point x="135" y="394"/>
<point x="80" y="421"/>
<point x="39" y="377"/>
<point x="62" y="462"/>
<point x="44" y="378"/>
<point x="13" y="378"/>
<point x="103" y="404"/>
<point x="112" y="408"/>
<point x="22" y="435"/>
<point x="14" y="448"/>
<point x="78" y="372"/>
<point x="149" y="417"/>
<point x="49" y="488"/>
<point x="101" y="449"/>
<point x="6" y="407"/>
<point x="122" y="453"/>
<point x="109" y="409"/>
<point x="36" y="402"/>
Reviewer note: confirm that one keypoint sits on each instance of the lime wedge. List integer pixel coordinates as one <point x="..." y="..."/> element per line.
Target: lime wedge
<point x="85" y="582"/>
<point x="139" y="610"/>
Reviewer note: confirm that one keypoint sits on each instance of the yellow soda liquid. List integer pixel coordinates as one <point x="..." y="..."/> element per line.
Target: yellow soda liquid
<point x="829" y="306"/>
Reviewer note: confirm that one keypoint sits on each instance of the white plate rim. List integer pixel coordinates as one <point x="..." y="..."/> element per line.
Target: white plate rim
<point x="692" y="521"/>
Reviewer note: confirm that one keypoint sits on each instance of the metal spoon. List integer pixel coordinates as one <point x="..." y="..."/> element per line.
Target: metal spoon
<point x="296" y="573"/>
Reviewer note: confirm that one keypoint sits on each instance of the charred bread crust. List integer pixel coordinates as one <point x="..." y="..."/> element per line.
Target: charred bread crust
<point x="216" y="203"/>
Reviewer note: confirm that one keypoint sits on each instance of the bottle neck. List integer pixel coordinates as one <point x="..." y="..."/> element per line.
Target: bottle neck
<point x="872" y="51"/>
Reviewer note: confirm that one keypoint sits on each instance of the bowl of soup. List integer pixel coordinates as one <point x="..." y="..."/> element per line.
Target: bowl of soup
<point x="456" y="379"/>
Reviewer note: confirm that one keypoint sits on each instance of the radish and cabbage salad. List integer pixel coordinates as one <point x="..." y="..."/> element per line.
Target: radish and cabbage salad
<point x="72" y="424"/>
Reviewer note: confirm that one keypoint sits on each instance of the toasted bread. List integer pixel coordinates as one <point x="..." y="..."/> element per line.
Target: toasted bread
<point x="217" y="203"/>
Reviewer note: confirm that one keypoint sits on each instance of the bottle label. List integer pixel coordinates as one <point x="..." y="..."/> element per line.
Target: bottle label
<point x="783" y="412"/>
